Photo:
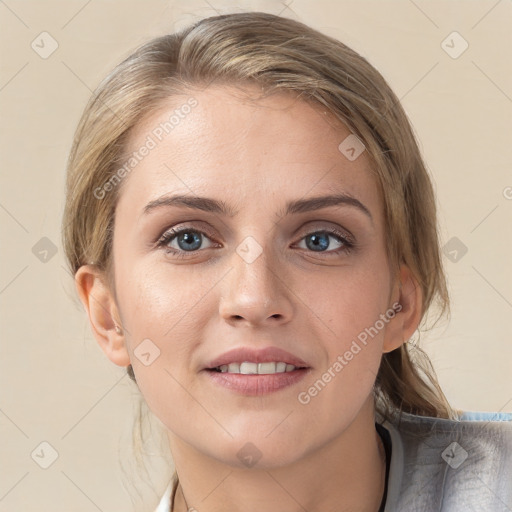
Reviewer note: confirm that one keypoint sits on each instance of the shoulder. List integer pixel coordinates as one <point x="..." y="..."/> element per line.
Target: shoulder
<point x="451" y="465"/>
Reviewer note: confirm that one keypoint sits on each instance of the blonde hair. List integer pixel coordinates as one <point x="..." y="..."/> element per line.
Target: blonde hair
<point x="279" y="54"/>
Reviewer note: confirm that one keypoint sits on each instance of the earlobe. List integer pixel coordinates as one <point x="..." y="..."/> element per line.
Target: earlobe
<point x="409" y="295"/>
<point x="102" y="311"/>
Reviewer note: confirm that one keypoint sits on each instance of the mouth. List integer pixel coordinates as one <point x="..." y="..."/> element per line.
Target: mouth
<point x="253" y="368"/>
<point x="255" y="372"/>
<point x="251" y="361"/>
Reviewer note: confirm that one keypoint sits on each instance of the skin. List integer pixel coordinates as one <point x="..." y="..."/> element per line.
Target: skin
<point x="255" y="154"/>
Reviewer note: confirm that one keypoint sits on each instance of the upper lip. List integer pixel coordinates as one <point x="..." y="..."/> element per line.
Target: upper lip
<point x="262" y="355"/>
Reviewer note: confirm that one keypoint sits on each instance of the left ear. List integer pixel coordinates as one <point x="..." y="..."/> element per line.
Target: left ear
<point x="407" y="292"/>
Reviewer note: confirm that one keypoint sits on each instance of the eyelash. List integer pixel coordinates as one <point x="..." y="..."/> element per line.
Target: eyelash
<point x="170" y="235"/>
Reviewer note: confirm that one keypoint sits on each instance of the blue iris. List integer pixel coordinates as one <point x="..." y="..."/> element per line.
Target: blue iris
<point x="321" y="241"/>
<point x="189" y="238"/>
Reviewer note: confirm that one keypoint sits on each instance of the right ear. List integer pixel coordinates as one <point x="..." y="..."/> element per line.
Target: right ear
<point x="103" y="313"/>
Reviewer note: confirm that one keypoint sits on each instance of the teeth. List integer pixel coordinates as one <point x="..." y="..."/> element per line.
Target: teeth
<point x="267" y="367"/>
<point x="248" y="368"/>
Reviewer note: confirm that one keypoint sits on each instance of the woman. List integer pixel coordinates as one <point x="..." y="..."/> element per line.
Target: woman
<point x="253" y="234"/>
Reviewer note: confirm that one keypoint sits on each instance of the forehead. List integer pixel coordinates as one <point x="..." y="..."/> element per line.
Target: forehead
<point x="227" y="138"/>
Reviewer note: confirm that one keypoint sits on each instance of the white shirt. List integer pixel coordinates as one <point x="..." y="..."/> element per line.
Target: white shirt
<point x="440" y="465"/>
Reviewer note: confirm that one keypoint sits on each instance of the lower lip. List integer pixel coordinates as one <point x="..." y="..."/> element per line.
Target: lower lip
<point x="257" y="385"/>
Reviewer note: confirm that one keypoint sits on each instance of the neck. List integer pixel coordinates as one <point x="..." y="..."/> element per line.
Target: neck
<point x="346" y="474"/>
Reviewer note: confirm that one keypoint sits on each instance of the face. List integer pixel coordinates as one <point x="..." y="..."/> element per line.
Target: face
<point x="257" y="265"/>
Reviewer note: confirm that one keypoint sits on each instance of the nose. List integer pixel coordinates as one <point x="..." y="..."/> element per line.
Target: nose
<point x="255" y="292"/>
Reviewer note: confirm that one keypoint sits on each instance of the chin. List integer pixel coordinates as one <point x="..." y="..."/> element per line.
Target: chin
<point x="267" y="451"/>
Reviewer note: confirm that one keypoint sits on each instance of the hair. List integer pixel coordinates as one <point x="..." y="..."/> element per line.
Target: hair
<point x="278" y="54"/>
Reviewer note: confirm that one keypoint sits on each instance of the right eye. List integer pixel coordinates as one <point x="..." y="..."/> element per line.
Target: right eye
<point x="186" y="238"/>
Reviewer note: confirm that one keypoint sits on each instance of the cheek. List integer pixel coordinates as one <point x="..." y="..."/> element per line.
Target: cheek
<point x="348" y="310"/>
<point x="160" y="317"/>
<point x="347" y="301"/>
<point x="158" y="301"/>
<point x="353" y="351"/>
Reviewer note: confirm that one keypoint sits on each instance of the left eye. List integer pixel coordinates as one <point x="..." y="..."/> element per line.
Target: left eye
<point x="320" y="240"/>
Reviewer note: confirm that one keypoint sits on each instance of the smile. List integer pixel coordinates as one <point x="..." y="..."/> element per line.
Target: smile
<point x="248" y="371"/>
<point x="249" y="368"/>
<point x="256" y="379"/>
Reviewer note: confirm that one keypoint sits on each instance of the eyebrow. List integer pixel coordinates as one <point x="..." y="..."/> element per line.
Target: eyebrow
<point x="220" y="207"/>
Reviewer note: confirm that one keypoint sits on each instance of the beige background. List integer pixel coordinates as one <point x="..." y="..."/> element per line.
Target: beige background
<point x="58" y="387"/>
